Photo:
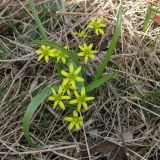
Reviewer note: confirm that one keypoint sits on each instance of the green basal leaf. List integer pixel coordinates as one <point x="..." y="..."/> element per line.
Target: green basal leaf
<point x="98" y="83"/>
<point x="150" y="11"/>
<point x="32" y="107"/>
<point x="37" y="20"/>
<point x="112" y="46"/>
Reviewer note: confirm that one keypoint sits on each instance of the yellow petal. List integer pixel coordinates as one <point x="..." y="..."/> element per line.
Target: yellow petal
<point x="39" y="52"/>
<point x="90" y="26"/>
<point x="81" y="48"/>
<point x="85" y="45"/>
<point x="99" y="20"/>
<point x="79" y="107"/>
<point x="71" y="125"/>
<point x="58" y="59"/>
<point x="102" y="25"/>
<point x="48" y="47"/>
<point x="83" y="91"/>
<point x="43" y="47"/>
<point x="65" y="97"/>
<point x="55" y="104"/>
<point x="64" y="73"/>
<point x="64" y="60"/>
<point x="65" y="81"/>
<point x="90" y="46"/>
<point x="101" y="31"/>
<point x="62" y="105"/>
<point x="51" y="98"/>
<point x="80" y="54"/>
<point x="97" y="32"/>
<point x="86" y="59"/>
<point x="76" y="94"/>
<point x="79" y="79"/>
<point x="40" y="57"/>
<point x="92" y="56"/>
<point x="47" y="59"/>
<point x="68" y="92"/>
<point x="73" y="101"/>
<point x="71" y="69"/>
<point x="89" y="98"/>
<point x="69" y="119"/>
<point x="81" y="123"/>
<point x="73" y="83"/>
<point x="85" y="106"/>
<point x="78" y="70"/>
<point x="53" y="91"/>
<point x="77" y="126"/>
<point x="75" y="114"/>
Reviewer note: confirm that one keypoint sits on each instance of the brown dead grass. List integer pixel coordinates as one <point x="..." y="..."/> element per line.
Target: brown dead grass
<point x="117" y="116"/>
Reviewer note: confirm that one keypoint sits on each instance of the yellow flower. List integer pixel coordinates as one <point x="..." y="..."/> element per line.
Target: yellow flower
<point x="81" y="34"/>
<point x="57" y="98"/>
<point x="45" y="52"/>
<point x="72" y="76"/>
<point x="60" y="55"/>
<point x="87" y="52"/>
<point x="66" y="88"/>
<point x="74" y="121"/>
<point x="97" y="25"/>
<point x="81" y="99"/>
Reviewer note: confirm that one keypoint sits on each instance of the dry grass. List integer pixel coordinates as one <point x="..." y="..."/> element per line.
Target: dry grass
<point x="125" y="111"/>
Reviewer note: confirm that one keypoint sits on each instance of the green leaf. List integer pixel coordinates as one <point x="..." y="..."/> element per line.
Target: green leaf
<point x="32" y="107"/>
<point x="112" y="46"/>
<point x="37" y="20"/>
<point x="97" y="83"/>
<point x="150" y="11"/>
<point x="147" y="19"/>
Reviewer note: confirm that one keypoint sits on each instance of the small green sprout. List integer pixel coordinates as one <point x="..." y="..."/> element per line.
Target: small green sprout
<point x="97" y="25"/>
<point x="74" y="121"/>
<point x="81" y="99"/>
<point x="60" y="55"/>
<point x="87" y="52"/>
<point x="46" y="52"/>
<point x="57" y="98"/>
<point x="72" y="76"/>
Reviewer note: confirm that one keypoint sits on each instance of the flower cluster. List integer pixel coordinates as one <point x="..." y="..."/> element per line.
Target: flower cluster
<point x="97" y="26"/>
<point x="47" y="52"/>
<point x="69" y="92"/>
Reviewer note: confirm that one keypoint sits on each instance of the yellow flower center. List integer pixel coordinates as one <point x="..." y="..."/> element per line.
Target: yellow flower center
<point x="81" y="99"/>
<point x="46" y="51"/>
<point x="76" y="120"/>
<point x="58" y="97"/>
<point x="72" y="76"/>
<point x="87" y="51"/>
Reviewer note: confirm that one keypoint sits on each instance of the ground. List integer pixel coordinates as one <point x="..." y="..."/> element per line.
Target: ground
<point x="123" y="121"/>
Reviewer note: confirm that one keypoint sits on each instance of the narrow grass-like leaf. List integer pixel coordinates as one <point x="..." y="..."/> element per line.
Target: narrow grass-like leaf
<point x="147" y="19"/>
<point x="32" y="107"/>
<point x="37" y="20"/>
<point x="112" y="46"/>
<point x="151" y="94"/>
<point x="150" y="11"/>
<point x="98" y="83"/>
